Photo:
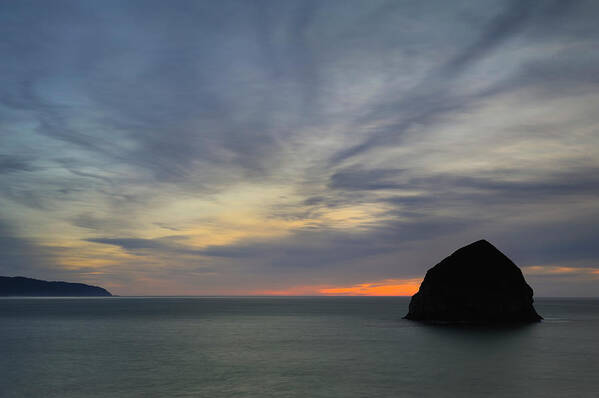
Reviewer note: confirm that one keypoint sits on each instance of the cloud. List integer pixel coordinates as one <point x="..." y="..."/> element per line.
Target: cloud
<point x="166" y="245"/>
<point x="23" y="257"/>
<point x="437" y="97"/>
<point x="365" y="179"/>
<point x="130" y="243"/>
<point x="496" y="186"/>
<point x="9" y="164"/>
<point x="556" y="270"/>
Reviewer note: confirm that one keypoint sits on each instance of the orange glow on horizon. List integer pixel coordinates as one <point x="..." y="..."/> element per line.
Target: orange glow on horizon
<point x="387" y="287"/>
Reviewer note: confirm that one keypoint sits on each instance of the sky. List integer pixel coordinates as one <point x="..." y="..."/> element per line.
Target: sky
<point x="297" y="147"/>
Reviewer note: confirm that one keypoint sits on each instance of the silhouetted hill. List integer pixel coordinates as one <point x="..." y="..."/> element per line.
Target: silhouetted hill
<point x="20" y="286"/>
<point x="477" y="283"/>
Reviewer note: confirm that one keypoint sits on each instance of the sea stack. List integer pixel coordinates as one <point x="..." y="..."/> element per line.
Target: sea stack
<point x="478" y="284"/>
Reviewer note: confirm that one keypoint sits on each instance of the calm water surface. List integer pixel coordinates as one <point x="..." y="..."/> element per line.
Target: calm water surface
<point x="287" y="347"/>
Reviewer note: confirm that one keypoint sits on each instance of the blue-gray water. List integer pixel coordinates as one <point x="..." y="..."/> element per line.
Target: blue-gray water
<point x="287" y="347"/>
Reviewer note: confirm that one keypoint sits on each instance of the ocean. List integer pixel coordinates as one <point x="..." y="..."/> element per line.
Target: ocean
<point x="287" y="347"/>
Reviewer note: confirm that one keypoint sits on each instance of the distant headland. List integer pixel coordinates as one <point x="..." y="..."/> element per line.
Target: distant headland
<point x="477" y="283"/>
<point x="21" y="286"/>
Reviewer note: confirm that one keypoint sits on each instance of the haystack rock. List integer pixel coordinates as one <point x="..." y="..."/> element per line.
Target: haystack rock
<point x="477" y="283"/>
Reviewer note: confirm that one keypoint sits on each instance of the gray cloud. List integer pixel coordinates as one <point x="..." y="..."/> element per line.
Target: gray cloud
<point x="499" y="184"/>
<point x="23" y="257"/>
<point x="166" y="244"/>
<point x="9" y="164"/>
<point x="435" y="97"/>
<point x="365" y="179"/>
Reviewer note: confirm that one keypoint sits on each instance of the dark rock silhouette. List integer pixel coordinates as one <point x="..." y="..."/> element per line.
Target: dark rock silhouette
<point x="477" y="283"/>
<point x="20" y="286"/>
